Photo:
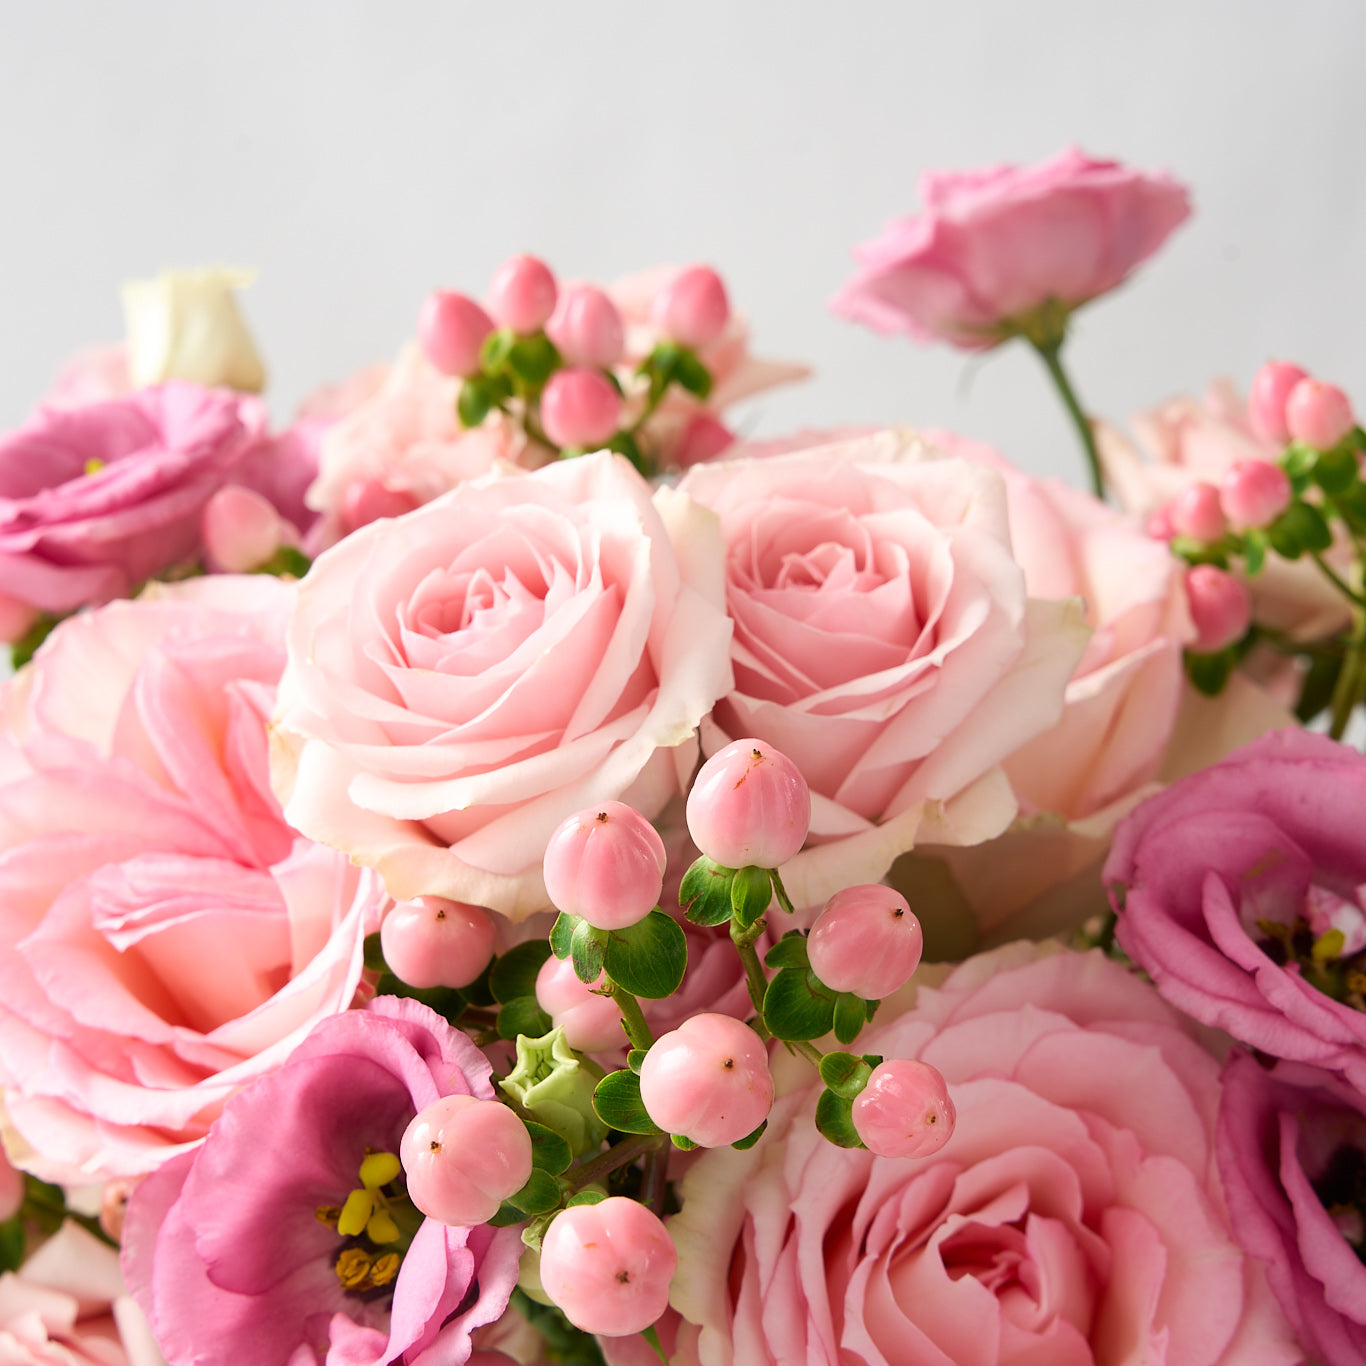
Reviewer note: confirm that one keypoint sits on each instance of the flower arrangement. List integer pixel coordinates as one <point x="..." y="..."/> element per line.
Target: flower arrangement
<point x="503" y="871"/>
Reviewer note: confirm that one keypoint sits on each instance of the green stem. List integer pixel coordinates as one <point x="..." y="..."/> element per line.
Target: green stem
<point x="620" y="1155"/>
<point x="755" y="976"/>
<point x="1337" y="580"/>
<point x="1051" y="353"/>
<point x="1351" y="684"/>
<point x="632" y="1017"/>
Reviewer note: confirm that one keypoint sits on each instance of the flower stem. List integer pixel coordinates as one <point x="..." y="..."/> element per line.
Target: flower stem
<point x="1351" y="685"/>
<point x="1051" y="354"/>
<point x="1337" y="580"/>
<point x="755" y="976"/>
<point x="619" y="1155"/>
<point x="632" y="1017"/>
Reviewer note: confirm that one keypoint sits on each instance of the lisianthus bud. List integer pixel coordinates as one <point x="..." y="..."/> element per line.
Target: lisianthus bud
<point x="608" y="1266"/>
<point x="605" y="864"/>
<point x="693" y="308"/>
<point x="1266" y="400"/>
<point x="587" y="328"/>
<point x="580" y="408"/>
<point x="749" y="804"/>
<point x="591" y="1022"/>
<point x="242" y="530"/>
<point x="462" y="1157"/>
<point x="451" y="329"/>
<point x="905" y="1110"/>
<point x="1196" y="512"/>
<point x="867" y="941"/>
<point x="554" y="1086"/>
<point x="1220" y="607"/>
<point x="522" y="294"/>
<point x="1318" y="414"/>
<point x="703" y="439"/>
<point x="708" y="1080"/>
<point x="432" y="942"/>
<point x="1254" y="493"/>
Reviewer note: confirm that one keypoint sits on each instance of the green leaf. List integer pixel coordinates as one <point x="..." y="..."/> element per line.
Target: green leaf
<point x="507" y="1214"/>
<point x="533" y="359"/>
<point x="661" y="363"/>
<point x="541" y="1193"/>
<point x="618" y="1103"/>
<point x="1299" y="528"/>
<point x="705" y="891"/>
<point x="23" y="649"/>
<point x="626" y="444"/>
<point x="788" y="952"/>
<point x="475" y="401"/>
<point x="514" y="973"/>
<point x="446" y="1001"/>
<point x="798" y="1006"/>
<point x="751" y="890"/>
<point x="682" y="1142"/>
<point x="652" y="1338"/>
<point x="1209" y="673"/>
<point x="523" y="1015"/>
<point x="562" y="934"/>
<point x="374" y="954"/>
<point x="586" y="1197"/>
<point x="493" y="355"/>
<point x="634" y="1059"/>
<point x="1337" y="470"/>
<point x="586" y="949"/>
<point x="649" y="957"/>
<point x="288" y="560"/>
<point x="835" y="1119"/>
<point x="1319" y="684"/>
<point x="12" y="1242"/>
<point x="692" y="374"/>
<point x="845" y="1074"/>
<point x="1254" y="551"/>
<point x="549" y="1151"/>
<point x="850" y="1016"/>
<point x="750" y="1140"/>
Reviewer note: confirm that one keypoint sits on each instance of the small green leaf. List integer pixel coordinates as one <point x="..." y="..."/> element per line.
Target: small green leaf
<point x="474" y="402"/>
<point x="541" y="1193"/>
<point x="692" y="374"/>
<point x="634" y="1059"/>
<point x="523" y="1015"/>
<point x="780" y="892"/>
<point x="23" y="649"/>
<point x="533" y="359"/>
<point x="549" y="1151"/>
<point x="446" y="1001"/>
<point x="845" y="1074"/>
<point x="750" y="1140"/>
<point x="12" y="1242"/>
<point x="507" y="1214"/>
<point x="374" y="954"/>
<point x="287" y="561"/>
<point x="618" y="1103"/>
<point x="850" y="1016"/>
<point x="705" y="891"/>
<point x="751" y="890"/>
<point x="798" y="1006"/>
<point x="1337" y="470"/>
<point x="648" y="958"/>
<point x="1209" y="673"/>
<point x="586" y="1197"/>
<point x="1300" y="527"/>
<point x="788" y="952"/>
<point x="497" y="346"/>
<point x="586" y="949"/>
<point x="626" y="444"/>
<point x="562" y="935"/>
<point x="652" y="1339"/>
<point x="514" y="973"/>
<point x="661" y="363"/>
<point x="682" y="1142"/>
<point x="1254" y="551"/>
<point x="835" y="1119"/>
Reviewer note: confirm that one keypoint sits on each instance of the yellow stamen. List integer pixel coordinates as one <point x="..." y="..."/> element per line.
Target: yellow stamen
<point x="385" y="1268"/>
<point x="381" y="1228"/>
<point x="353" y="1268"/>
<point x="327" y="1214"/>
<point x="378" y="1169"/>
<point x="355" y="1213"/>
<point x="94" y="465"/>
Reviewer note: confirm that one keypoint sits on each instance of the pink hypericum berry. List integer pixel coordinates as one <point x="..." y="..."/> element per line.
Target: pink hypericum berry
<point x="693" y="308"/>
<point x="591" y="1022"/>
<point x="242" y="530"/>
<point x="1266" y="401"/>
<point x="708" y="1080"/>
<point x="605" y="864"/>
<point x="704" y="438"/>
<point x="522" y="294"/>
<point x="1196" y="512"/>
<point x="587" y="328"/>
<point x="608" y="1266"/>
<point x="462" y="1157"/>
<point x="370" y="501"/>
<point x="579" y="407"/>
<point x="1318" y="414"/>
<point x="451" y="329"/>
<point x="432" y="942"/>
<point x="1159" y="525"/>
<point x="905" y="1110"/>
<point x="867" y="941"/>
<point x="1220" y="608"/>
<point x="1254" y="493"/>
<point x="749" y="804"/>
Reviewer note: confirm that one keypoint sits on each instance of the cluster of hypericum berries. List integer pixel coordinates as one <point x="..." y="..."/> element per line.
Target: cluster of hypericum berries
<point x="554" y="360"/>
<point x="1299" y="505"/>
<point x="605" y="1256"/>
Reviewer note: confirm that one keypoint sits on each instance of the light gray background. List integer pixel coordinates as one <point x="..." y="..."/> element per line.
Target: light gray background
<point x="360" y="154"/>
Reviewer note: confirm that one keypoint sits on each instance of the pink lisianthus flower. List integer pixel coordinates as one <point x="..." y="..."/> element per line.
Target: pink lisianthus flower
<point x="165" y="936"/>
<point x="1074" y="1217"/>
<point x="996" y="247"/>
<point x="1217" y="879"/>
<point x="1292" y="1150"/>
<point x="233" y="1250"/>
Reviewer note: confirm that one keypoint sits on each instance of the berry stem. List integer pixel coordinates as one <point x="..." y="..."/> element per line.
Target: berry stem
<point x="755" y="976"/>
<point x="632" y="1017"/>
<point x="620" y="1155"/>
<point x="1351" y="684"/>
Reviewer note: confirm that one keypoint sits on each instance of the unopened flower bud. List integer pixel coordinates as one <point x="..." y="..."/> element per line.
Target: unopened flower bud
<point x="591" y="1021"/>
<point x="587" y="328"/>
<point x="1220" y="608"/>
<point x="1195" y="512"/>
<point x="522" y="294"/>
<point x="579" y="407"/>
<point x="432" y="942"/>
<point x="451" y="329"/>
<point x="1318" y="414"/>
<point x="1159" y="524"/>
<point x="1266" y="400"/>
<point x="1254" y="493"/>
<point x="703" y="439"/>
<point x="693" y="308"/>
<point x="905" y="1110"/>
<point x="605" y="864"/>
<point x="867" y="941"/>
<point x="241" y="530"/>
<point x="749" y="804"/>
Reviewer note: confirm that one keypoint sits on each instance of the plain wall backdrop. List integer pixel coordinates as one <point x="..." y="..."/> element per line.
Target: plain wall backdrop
<point x="360" y="154"/>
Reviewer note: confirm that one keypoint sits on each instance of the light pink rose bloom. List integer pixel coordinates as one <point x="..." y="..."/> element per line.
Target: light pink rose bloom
<point x="164" y="935"/>
<point x="885" y="641"/>
<point x="1075" y="1217"/>
<point x="94" y="375"/>
<point x="993" y="245"/>
<point x="463" y="678"/>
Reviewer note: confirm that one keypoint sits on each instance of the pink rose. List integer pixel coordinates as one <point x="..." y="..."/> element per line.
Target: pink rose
<point x="1217" y="880"/>
<point x="164" y="935"/>
<point x="463" y="678"/>
<point x="94" y="375"/>
<point x="885" y="642"/>
<point x="1074" y="1217"/>
<point x="994" y="245"/>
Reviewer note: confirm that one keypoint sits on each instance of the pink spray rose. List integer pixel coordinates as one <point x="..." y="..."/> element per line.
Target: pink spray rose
<point x="463" y="678"/>
<point x="1075" y="1216"/>
<point x="1226" y="882"/>
<point x="995" y="245"/>
<point x="164" y="935"/>
<point x="233" y="1250"/>
<point x="1292" y="1157"/>
<point x="885" y="642"/>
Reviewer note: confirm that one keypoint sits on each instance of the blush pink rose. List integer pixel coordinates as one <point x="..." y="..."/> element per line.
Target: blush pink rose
<point x="885" y="641"/>
<point x="994" y="245"/>
<point x="463" y="678"/>
<point x="1075" y="1217"/>
<point x="164" y="935"/>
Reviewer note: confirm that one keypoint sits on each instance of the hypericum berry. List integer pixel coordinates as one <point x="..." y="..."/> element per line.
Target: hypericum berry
<point x="371" y="500"/>
<point x="704" y="438"/>
<point x="905" y="1110"/>
<point x="1266" y="401"/>
<point x="591" y="1022"/>
<point x="462" y="1157"/>
<point x="1159" y="525"/>
<point x="605" y="864"/>
<point x="1220" y="608"/>
<point x="608" y="1266"/>
<point x="580" y="408"/>
<point x="1254" y="493"/>
<point x="1318" y="414"/>
<point x="587" y="328"/>
<point x="749" y="804"/>
<point x="451" y="329"/>
<point x="1196" y="512"/>
<point x="866" y="940"/>
<point x="432" y="942"/>
<point x="522" y="294"/>
<point x="242" y="530"/>
<point x="692" y="308"/>
<point x="708" y="1080"/>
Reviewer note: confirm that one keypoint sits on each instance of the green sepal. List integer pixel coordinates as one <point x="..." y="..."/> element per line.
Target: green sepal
<point x="652" y="1338"/>
<point x="1209" y="673"/>
<point x="1254" y="551"/>
<point x="374" y="954"/>
<point x="540" y="1194"/>
<point x="682" y="1142"/>
<point x="648" y="958"/>
<point x="1200" y="552"/>
<point x="514" y="973"/>
<point x="635" y="1057"/>
<point x="660" y="365"/>
<point x="549" y="1150"/>
<point x="689" y="372"/>
<point x="845" y="1074"/>
<point x="788" y="952"/>
<point x="533" y="359"/>
<point x="586" y="949"/>
<point x="751" y="890"/>
<point x="475" y="401"/>
<point x="562" y="935"/>
<point x="750" y="1140"/>
<point x="850" y="1016"/>
<point x="705" y="892"/>
<point x="493" y="355"/>
<point x="1337" y="470"/>
<point x="586" y="1197"/>
<point x="287" y="561"/>
<point x="12" y="1243"/>
<point x="798" y="1006"/>
<point x="835" y="1119"/>
<point x="780" y="892"/>
<point x="523" y="1015"/>
<point x="619" y="1106"/>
